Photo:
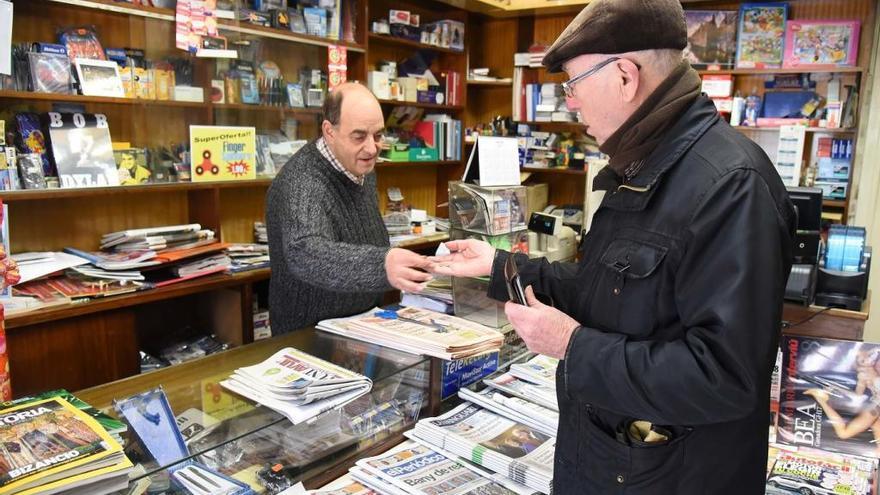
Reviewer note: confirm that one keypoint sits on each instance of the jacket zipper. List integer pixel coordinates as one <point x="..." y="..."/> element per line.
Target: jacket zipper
<point x="634" y="188"/>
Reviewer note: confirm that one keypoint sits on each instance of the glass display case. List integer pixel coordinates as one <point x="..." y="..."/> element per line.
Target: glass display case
<point x="258" y="446"/>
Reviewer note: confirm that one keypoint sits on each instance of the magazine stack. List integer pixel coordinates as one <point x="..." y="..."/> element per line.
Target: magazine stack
<point x="827" y="417"/>
<point x="50" y="446"/>
<point x="298" y="385"/>
<point x="523" y="411"/>
<point x="496" y="443"/>
<point x="804" y="470"/>
<point x="418" y="331"/>
<point x="415" y="469"/>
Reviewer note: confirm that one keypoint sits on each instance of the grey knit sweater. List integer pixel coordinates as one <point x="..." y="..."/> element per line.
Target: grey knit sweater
<point x="327" y="243"/>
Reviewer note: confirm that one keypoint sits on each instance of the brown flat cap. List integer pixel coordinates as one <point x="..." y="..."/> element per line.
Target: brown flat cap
<point x="620" y="26"/>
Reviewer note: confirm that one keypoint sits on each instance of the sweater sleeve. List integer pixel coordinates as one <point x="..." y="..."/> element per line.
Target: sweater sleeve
<point x="304" y="239"/>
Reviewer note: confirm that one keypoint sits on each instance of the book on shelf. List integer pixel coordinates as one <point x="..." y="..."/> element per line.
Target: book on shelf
<point x="297" y="385"/>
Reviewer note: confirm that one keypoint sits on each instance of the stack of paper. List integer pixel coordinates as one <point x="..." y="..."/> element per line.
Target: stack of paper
<point x="504" y="446"/>
<point x="414" y="469"/>
<point x="298" y="385"/>
<point x="418" y="331"/>
<point x="50" y="447"/>
<point x="155" y="237"/>
<point x="539" y="394"/>
<point x="247" y="256"/>
<point x="526" y="412"/>
<point x="540" y="370"/>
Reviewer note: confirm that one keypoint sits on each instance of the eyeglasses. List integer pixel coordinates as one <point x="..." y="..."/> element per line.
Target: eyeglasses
<point x="568" y="86"/>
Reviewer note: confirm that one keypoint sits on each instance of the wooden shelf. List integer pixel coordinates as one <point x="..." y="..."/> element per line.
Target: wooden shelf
<point x="394" y="40"/>
<point x="414" y="164"/>
<point x="266" y="108"/>
<point x="834" y="203"/>
<point x="502" y="84"/>
<point x="421" y="105"/>
<point x="742" y="72"/>
<point x="27" y="95"/>
<point x="203" y="284"/>
<point x="558" y="170"/>
<point x="224" y="24"/>
<point x="285" y="35"/>
<point x="830" y="130"/>
<point x="44" y="194"/>
<point x="122" y="8"/>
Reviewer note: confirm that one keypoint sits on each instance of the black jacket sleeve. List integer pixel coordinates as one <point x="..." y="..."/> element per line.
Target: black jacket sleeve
<point x="728" y="292"/>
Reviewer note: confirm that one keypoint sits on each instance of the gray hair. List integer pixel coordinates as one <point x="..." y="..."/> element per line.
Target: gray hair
<point x="661" y="61"/>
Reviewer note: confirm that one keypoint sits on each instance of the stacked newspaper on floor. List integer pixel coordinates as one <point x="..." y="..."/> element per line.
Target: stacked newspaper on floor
<point x="50" y="446"/>
<point x="418" y="331"/>
<point x="412" y="468"/>
<point x="495" y="442"/>
<point x="298" y="385"/>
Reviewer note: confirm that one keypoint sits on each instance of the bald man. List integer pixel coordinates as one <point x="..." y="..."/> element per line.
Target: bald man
<point x="327" y="243"/>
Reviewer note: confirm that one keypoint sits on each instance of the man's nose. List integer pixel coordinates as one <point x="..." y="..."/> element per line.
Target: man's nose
<point x="371" y="146"/>
<point x="572" y="104"/>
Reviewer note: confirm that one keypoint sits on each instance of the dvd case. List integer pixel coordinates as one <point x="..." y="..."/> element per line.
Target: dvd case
<point x="50" y="73"/>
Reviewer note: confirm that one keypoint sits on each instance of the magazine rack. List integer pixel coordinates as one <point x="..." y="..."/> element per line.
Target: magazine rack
<point x="260" y="447"/>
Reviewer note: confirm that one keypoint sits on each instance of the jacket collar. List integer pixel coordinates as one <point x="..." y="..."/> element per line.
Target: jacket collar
<point x="635" y="194"/>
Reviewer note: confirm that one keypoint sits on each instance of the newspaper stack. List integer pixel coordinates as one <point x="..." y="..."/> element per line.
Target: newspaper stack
<point x="539" y="394"/>
<point x="248" y="256"/>
<point x="261" y="235"/>
<point x="494" y="442"/>
<point x="344" y="485"/>
<point x="540" y="370"/>
<point x="418" y="331"/>
<point x="526" y="412"/>
<point x="153" y="238"/>
<point x="298" y="385"/>
<point x="50" y="446"/>
<point x="414" y="469"/>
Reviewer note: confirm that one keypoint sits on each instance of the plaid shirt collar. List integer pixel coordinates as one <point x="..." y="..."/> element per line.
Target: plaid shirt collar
<point x="322" y="147"/>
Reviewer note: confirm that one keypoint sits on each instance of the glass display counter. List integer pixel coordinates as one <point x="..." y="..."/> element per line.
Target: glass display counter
<point x="256" y="445"/>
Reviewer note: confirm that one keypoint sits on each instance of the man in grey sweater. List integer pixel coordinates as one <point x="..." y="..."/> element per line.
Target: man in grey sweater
<point x="328" y="246"/>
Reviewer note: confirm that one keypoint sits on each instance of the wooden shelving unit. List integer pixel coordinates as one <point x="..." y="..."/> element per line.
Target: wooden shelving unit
<point x="479" y="82"/>
<point x="765" y="72"/>
<point x="416" y="164"/>
<point x="48" y="194"/>
<point x="393" y="40"/>
<point x="557" y="170"/>
<point x="431" y="106"/>
<point x="23" y="95"/>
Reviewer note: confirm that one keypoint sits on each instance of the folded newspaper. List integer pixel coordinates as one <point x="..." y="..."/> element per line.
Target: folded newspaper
<point x="418" y="331"/>
<point x="414" y="469"/>
<point x="539" y="394"/>
<point x="526" y="412"/>
<point x="499" y="444"/>
<point x="540" y="369"/>
<point x="298" y="385"/>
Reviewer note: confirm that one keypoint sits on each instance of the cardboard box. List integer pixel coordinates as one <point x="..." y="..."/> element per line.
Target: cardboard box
<point x="537" y="196"/>
<point x="377" y="81"/>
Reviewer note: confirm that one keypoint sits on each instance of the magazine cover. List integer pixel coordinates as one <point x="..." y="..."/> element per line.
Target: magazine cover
<point x="81" y="149"/>
<point x="761" y="34"/>
<point x="810" y="471"/>
<point x="112" y="425"/>
<point x="711" y="37"/>
<point x="818" y="43"/>
<point x="46" y="437"/>
<point x="830" y="395"/>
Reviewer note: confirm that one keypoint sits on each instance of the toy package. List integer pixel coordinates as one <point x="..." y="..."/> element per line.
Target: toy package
<point x="82" y="42"/>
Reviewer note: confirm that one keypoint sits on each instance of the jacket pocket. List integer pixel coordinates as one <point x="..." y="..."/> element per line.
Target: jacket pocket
<point x="637" y="469"/>
<point x="629" y="283"/>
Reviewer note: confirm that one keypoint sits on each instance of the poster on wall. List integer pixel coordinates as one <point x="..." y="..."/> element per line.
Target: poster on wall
<point x="222" y="153"/>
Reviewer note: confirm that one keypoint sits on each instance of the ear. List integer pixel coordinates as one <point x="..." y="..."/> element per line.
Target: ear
<point x="628" y="74"/>
<point x="327" y="130"/>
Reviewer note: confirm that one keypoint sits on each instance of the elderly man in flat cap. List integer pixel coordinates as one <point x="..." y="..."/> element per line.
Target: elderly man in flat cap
<point x="667" y="328"/>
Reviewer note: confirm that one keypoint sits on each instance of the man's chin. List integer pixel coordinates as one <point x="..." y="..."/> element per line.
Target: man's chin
<point x="366" y="166"/>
